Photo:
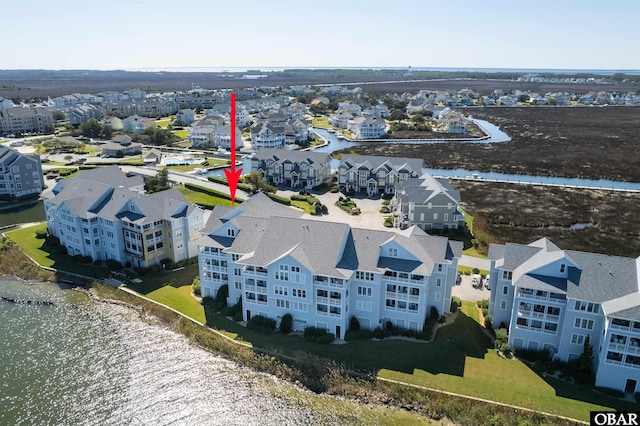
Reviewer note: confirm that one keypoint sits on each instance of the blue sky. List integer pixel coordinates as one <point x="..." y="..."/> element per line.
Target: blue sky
<point x="133" y="34"/>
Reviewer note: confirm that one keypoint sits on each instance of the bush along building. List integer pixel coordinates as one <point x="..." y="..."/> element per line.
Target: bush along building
<point x="324" y="273"/>
<point x="104" y="214"/>
<point x="554" y="300"/>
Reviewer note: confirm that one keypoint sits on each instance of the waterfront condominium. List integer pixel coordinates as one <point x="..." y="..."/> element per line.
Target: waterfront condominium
<point x="552" y="299"/>
<point x="324" y="273"/>
<point x="20" y="175"/>
<point x="104" y="214"/>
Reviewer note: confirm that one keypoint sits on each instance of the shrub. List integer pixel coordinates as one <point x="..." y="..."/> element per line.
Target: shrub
<point x="379" y="333"/>
<point x="196" y="285"/>
<point x="325" y="339"/>
<point x="318" y="335"/>
<point x="237" y="317"/>
<point x="222" y="294"/>
<point x="434" y="314"/>
<point x="637" y="396"/>
<point x="358" y="335"/>
<point x="354" y="324"/>
<point x="385" y="209"/>
<point x="87" y="260"/>
<point x="395" y="330"/>
<point x="386" y="202"/>
<point x="483" y="304"/>
<point x="476" y="270"/>
<point x="261" y="324"/>
<point x="455" y="304"/>
<point x="113" y="265"/>
<point x="485" y="312"/>
<point x="535" y="356"/>
<point x="388" y="326"/>
<point x="286" y="324"/>
<point x="41" y="234"/>
<point x="488" y="321"/>
<point x="281" y="200"/>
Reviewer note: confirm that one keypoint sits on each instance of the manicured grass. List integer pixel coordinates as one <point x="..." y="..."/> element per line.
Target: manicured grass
<point x="164" y="123"/>
<point x="322" y="122"/>
<point x="172" y="289"/>
<point x="196" y="197"/>
<point x="43" y="252"/>
<point x="182" y="134"/>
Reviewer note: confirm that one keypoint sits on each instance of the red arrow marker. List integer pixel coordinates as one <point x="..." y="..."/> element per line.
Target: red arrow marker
<point x="233" y="175"/>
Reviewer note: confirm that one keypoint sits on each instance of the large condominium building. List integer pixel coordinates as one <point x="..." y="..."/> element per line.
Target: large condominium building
<point x="375" y="174"/>
<point x="20" y="175"/>
<point x="296" y="169"/>
<point x="104" y="214"/>
<point x="553" y="299"/>
<point x="324" y="273"/>
<point x="21" y="120"/>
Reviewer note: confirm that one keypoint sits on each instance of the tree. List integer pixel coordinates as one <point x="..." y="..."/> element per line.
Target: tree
<point x="159" y="182"/>
<point x="48" y="129"/>
<point x="259" y="183"/>
<point x="585" y="360"/>
<point x="91" y="128"/>
<point x="397" y="114"/>
<point x="286" y="324"/>
<point x="59" y="115"/>
<point x="199" y="109"/>
<point x="107" y="132"/>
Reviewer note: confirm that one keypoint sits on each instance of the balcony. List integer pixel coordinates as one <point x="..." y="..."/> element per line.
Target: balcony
<point x="620" y="347"/>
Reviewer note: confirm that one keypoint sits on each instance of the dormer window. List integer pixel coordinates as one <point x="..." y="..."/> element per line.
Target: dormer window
<point x="231" y="232"/>
<point x="393" y="252"/>
<point x="562" y="267"/>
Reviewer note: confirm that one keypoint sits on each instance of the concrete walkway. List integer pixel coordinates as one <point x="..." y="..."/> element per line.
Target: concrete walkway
<point x="475" y="262"/>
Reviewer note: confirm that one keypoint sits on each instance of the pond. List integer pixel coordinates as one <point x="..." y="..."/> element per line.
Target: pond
<point x="33" y="213"/>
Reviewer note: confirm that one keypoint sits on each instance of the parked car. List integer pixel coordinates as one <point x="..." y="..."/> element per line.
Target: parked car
<point x="486" y="282"/>
<point x="458" y="279"/>
<point x="476" y="280"/>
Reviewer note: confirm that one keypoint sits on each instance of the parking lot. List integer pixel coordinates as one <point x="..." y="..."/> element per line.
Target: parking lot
<point x="466" y="291"/>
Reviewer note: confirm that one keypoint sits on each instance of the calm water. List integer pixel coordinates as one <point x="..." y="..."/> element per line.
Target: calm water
<point x="77" y="363"/>
<point x="34" y="213"/>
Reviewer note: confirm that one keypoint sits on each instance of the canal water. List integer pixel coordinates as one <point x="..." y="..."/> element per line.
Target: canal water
<point x="80" y="363"/>
<point x="496" y="136"/>
<point x="34" y="213"/>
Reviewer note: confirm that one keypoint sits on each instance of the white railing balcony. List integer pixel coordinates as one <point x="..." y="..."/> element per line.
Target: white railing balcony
<point x="335" y="302"/>
<point x="633" y="349"/>
<point x="391" y="294"/>
<point x="334" y="284"/>
<point x="611" y="361"/>
<point x="260" y="302"/>
<point x="261" y="290"/>
<point x="248" y="287"/>
<point x="553" y="317"/>
<point x="321" y="299"/>
<point x="535" y="314"/>
<point x="629" y="364"/>
<point x="620" y="327"/>
<point x="620" y="347"/>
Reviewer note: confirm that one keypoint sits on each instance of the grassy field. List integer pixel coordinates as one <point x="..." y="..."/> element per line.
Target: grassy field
<point x="322" y="122"/>
<point x="44" y="252"/>
<point x="200" y="198"/>
<point x="182" y="134"/>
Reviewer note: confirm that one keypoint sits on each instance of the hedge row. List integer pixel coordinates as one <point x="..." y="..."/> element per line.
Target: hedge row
<point x="223" y="181"/>
<point x="281" y="200"/>
<point x="210" y="191"/>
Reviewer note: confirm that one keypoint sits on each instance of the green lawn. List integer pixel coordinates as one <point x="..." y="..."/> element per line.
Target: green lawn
<point x="322" y="122"/>
<point x="43" y="252"/>
<point x="196" y="197"/>
<point x="460" y="360"/>
<point x="164" y="123"/>
<point x="469" y="269"/>
<point x="182" y="134"/>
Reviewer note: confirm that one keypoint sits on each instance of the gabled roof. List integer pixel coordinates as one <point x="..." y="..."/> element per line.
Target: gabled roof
<point x="372" y="162"/>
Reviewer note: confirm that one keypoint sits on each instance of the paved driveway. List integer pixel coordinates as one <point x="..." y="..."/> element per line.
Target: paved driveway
<point x="465" y="291"/>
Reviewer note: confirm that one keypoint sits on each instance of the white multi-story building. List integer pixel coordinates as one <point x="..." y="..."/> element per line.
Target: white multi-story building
<point x="324" y="273"/>
<point x="20" y="175"/>
<point x="375" y="174"/>
<point x="21" y="120"/>
<point x="552" y="299"/>
<point x="296" y="169"/>
<point x="367" y="127"/>
<point x="104" y="214"/>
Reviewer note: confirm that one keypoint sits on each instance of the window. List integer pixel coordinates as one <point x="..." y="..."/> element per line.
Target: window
<point x="506" y="275"/>
<point x="562" y="267"/>
<point x="587" y="306"/>
<point x="282" y="303"/>
<point x="361" y="305"/>
<point x="364" y="291"/>
<point x="503" y="305"/>
<point x="365" y="276"/>
<point x="393" y="252"/>
<point x="237" y="272"/>
<point x="281" y="290"/>
<point x="577" y="339"/>
<point x="439" y="267"/>
<point x="505" y="290"/>
<point x="238" y="285"/>
<point x="438" y="296"/>
<point x="583" y="323"/>
<point x="282" y="273"/>
<point x="231" y="232"/>
<point x="435" y="216"/>
<point x="438" y="282"/>
<point x="446" y="217"/>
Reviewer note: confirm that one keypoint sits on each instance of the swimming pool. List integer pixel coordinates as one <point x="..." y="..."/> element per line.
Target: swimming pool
<point x="178" y="161"/>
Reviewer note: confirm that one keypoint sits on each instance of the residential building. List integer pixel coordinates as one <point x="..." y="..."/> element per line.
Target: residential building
<point x="267" y="136"/>
<point x="552" y="299"/>
<point x="120" y="145"/>
<point x="222" y="138"/>
<point x="114" y="122"/>
<point x="20" y="175"/>
<point x="21" y="120"/>
<point x="153" y="157"/>
<point x="83" y="113"/>
<point x="104" y="214"/>
<point x="296" y="169"/>
<point x="375" y="174"/>
<point x="187" y="116"/>
<point x="367" y="127"/>
<point x="136" y="124"/>
<point x="5" y="103"/>
<point x="428" y="203"/>
<point x="203" y="132"/>
<point x="324" y="273"/>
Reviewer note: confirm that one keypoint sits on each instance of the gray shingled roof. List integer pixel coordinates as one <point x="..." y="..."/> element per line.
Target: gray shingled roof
<point x="282" y="155"/>
<point x="374" y="162"/>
